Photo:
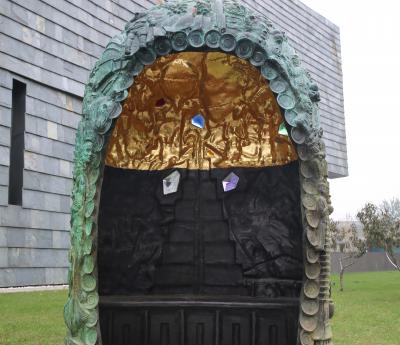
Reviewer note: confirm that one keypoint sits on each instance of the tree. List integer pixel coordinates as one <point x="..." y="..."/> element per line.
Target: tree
<point x="382" y="227"/>
<point x="346" y="241"/>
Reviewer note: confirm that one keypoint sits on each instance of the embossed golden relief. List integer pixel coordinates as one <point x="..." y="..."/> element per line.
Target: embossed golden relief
<point x="241" y="116"/>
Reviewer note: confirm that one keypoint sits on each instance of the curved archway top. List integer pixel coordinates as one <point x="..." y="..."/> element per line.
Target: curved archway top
<point x="207" y="25"/>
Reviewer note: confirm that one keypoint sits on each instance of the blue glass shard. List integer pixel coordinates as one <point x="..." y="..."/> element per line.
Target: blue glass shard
<point x="198" y="121"/>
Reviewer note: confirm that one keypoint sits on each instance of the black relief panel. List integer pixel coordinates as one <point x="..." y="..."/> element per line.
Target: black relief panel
<point x="165" y="327"/>
<point x="201" y="240"/>
<point x="200" y="328"/>
<point x="271" y="330"/>
<point x="206" y="246"/>
<point x="123" y="327"/>
<point x="128" y="328"/>
<point x="236" y="328"/>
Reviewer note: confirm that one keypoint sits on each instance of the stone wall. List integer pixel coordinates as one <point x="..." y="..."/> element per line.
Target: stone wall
<point x="51" y="47"/>
<point x="34" y="238"/>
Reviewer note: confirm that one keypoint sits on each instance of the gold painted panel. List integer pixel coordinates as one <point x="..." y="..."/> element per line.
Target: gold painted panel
<point x="241" y="115"/>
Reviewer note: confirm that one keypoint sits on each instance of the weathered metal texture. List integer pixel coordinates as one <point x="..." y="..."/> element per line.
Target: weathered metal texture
<point x="198" y="25"/>
<point x="160" y="98"/>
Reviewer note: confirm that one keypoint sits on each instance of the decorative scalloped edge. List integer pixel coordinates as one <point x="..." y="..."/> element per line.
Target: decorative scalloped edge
<point x="205" y="25"/>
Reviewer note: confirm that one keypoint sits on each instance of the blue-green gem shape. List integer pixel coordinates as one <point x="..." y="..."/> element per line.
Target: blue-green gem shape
<point x="198" y="121"/>
<point x="282" y="130"/>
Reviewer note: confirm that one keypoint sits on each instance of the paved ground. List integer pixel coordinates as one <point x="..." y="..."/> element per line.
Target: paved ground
<point x="33" y="288"/>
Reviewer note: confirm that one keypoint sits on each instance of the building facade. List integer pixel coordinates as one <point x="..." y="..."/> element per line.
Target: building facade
<point x="47" y="50"/>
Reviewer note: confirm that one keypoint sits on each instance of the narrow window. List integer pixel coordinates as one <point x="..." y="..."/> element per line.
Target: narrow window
<point x="17" y="143"/>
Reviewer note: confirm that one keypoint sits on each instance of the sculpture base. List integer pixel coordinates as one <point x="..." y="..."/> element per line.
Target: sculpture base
<point x="198" y="320"/>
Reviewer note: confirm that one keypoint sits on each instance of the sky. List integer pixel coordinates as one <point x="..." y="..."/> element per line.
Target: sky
<point x="370" y="38"/>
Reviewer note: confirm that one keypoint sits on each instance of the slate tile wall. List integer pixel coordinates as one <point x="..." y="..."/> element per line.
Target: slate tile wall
<point x="34" y="238"/>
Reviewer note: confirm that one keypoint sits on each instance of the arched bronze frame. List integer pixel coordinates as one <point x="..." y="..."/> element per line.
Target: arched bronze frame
<point x="190" y="25"/>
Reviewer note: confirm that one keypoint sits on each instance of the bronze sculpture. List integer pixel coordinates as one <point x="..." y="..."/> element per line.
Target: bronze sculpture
<point x="271" y="218"/>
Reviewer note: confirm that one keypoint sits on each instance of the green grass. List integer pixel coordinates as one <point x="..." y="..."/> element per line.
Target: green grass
<point x="32" y="318"/>
<point x="366" y="313"/>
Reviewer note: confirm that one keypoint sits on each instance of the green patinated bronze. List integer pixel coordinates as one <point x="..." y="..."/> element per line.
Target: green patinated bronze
<point x="191" y="25"/>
